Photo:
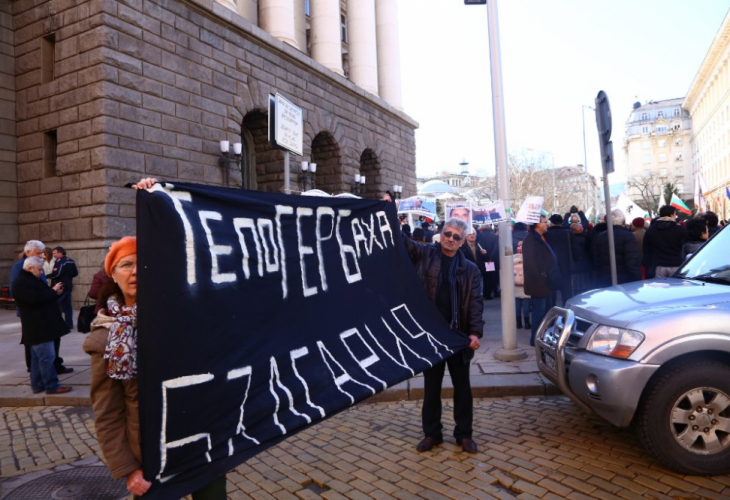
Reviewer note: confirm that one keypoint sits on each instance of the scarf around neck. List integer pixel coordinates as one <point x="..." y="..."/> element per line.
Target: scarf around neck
<point x="121" y="344"/>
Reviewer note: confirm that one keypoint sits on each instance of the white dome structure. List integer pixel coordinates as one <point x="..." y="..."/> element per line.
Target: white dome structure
<point x="435" y="188"/>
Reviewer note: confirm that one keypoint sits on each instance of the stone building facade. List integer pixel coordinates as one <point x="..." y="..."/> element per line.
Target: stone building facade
<point x="98" y="93"/>
<point x="657" y="150"/>
<point x="708" y="102"/>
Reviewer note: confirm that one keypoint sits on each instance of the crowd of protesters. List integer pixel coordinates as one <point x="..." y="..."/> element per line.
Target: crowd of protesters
<point x="565" y="255"/>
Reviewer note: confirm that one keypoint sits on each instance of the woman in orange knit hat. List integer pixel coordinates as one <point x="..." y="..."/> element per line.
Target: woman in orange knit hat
<point x="112" y="345"/>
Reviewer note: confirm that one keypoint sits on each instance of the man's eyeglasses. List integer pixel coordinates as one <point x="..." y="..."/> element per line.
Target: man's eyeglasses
<point x="453" y="236"/>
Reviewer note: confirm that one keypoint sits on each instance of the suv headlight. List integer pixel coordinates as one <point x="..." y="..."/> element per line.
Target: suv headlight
<point x="614" y="342"/>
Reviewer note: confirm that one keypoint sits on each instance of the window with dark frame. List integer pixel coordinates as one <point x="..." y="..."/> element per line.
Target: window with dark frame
<point x="343" y="25"/>
<point x="50" y="145"/>
<point x="48" y="57"/>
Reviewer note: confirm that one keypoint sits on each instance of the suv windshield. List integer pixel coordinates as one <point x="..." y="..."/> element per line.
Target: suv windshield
<point x="711" y="263"/>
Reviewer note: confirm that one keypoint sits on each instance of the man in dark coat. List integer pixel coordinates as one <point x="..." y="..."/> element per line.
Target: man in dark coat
<point x="537" y="260"/>
<point x="565" y="246"/>
<point x="34" y="248"/>
<point x="663" y="244"/>
<point x="487" y="240"/>
<point x="582" y="268"/>
<point x="64" y="271"/>
<point x="454" y="285"/>
<point x="594" y="231"/>
<point x="41" y="323"/>
<point x="628" y="259"/>
<point x="426" y="226"/>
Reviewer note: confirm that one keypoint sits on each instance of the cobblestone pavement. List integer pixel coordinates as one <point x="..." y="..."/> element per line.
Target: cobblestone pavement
<point x="539" y="447"/>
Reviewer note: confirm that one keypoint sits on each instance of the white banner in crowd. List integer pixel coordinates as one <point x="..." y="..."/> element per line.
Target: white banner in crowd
<point x="530" y="210"/>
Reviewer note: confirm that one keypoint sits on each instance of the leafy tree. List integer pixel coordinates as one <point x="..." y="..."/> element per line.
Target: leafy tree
<point x="669" y="189"/>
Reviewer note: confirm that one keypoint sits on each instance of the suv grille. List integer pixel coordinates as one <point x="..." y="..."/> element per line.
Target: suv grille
<point x="581" y="328"/>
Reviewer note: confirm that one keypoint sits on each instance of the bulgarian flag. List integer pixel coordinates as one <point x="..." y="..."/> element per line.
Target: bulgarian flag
<point x="679" y="205"/>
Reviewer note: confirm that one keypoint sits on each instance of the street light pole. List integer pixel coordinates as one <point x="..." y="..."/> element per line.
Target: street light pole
<point x="509" y="350"/>
<point x="585" y="154"/>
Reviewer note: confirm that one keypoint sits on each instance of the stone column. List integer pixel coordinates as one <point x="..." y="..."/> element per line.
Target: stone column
<point x="276" y="17"/>
<point x="249" y="9"/>
<point x="388" y="42"/>
<point x="228" y="3"/>
<point x="325" y="34"/>
<point x="300" y="25"/>
<point x="361" y="44"/>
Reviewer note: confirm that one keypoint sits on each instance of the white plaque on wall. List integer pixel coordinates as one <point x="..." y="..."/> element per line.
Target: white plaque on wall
<point x="289" y="131"/>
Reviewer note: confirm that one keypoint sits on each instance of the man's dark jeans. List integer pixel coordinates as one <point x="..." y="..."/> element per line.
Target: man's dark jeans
<point x="540" y="307"/>
<point x="64" y="302"/>
<point x="431" y="413"/>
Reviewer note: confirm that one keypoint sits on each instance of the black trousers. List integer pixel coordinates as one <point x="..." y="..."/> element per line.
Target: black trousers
<point x="490" y="281"/>
<point x="463" y="404"/>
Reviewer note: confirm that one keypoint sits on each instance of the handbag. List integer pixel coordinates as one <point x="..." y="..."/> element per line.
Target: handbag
<point x="86" y="316"/>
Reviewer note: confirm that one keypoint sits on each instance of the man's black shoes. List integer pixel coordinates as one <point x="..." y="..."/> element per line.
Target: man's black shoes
<point x="468" y="445"/>
<point x="428" y="443"/>
<point x="62" y="370"/>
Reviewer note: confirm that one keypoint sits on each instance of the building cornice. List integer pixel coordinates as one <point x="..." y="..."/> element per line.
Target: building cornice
<point x="249" y="30"/>
<point x="717" y="48"/>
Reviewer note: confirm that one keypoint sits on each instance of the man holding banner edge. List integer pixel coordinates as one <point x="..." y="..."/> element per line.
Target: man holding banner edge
<point x="454" y="285"/>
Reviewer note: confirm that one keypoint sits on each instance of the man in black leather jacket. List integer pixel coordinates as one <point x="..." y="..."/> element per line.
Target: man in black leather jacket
<point x="455" y="286"/>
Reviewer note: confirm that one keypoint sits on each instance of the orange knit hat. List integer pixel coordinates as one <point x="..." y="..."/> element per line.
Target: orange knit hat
<point x="120" y="249"/>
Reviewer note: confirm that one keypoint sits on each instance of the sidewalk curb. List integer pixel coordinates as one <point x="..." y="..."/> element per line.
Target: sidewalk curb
<point x="489" y="386"/>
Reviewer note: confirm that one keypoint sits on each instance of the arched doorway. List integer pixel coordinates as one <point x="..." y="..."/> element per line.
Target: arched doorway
<point x="262" y="165"/>
<point x="370" y="168"/>
<point x="326" y="154"/>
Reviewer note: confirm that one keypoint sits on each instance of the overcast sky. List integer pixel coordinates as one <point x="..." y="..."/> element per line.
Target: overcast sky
<point x="556" y="56"/>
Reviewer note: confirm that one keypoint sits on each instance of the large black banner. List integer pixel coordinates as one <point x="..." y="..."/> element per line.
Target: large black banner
<point x="261" y="314"/>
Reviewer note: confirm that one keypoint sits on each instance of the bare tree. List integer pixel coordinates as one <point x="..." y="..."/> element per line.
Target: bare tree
<point x="644" y="190"/>
<point x="531" y="175"/>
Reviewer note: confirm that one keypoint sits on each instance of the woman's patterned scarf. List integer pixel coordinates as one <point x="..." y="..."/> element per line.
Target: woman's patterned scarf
<point x="121" y="344"/>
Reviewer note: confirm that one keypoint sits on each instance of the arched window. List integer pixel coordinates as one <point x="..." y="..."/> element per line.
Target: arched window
<point x="326" y="154"/>
<point x="370" y="168"/>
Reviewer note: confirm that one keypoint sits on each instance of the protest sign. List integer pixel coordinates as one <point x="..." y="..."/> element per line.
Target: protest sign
<point x="261" y="314"/>
<point x="459" y="209"/>
<point x="488" y="214"/>
<point x="530" y="210"/>
<point x="418" y="206"/>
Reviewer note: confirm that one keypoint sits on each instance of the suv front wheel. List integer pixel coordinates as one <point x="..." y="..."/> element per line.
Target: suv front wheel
<point x="684" y="417"/>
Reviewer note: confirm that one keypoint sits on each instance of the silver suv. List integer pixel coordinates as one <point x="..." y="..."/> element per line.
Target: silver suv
<point x="655" y="354"/>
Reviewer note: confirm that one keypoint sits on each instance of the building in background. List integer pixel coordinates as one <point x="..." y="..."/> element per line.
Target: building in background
<point x="98" y="93"/>
<point x="658" y="151"/>
<point x="560" y="187"/>
<point x="708" y="102"/>
<point x="574" y="186"/>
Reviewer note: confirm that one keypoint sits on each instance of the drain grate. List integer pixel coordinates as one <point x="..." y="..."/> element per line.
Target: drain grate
<point x="87" y="483"/>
